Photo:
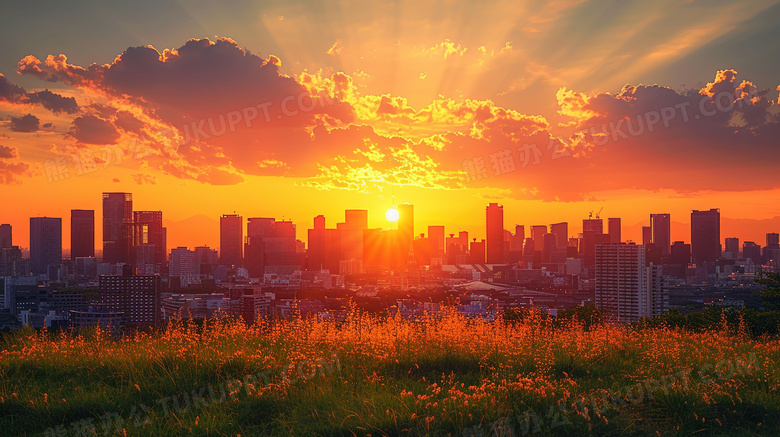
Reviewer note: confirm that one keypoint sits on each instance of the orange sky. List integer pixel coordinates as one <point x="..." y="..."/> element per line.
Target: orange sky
<point x="552" y="111"/>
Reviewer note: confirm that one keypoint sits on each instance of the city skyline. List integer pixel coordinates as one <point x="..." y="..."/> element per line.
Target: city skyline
<point x="448" y="118"/>
<point x="679" y="230"/>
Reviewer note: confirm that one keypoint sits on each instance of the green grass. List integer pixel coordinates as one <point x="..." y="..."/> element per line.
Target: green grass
<point x="450" y="376"/>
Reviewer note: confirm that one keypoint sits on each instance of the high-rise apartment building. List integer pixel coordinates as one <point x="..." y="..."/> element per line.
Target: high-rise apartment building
<point x="625" y="287"/>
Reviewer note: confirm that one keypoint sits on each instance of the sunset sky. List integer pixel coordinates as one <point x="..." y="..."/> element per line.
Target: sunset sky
<point x="291" y="109"/>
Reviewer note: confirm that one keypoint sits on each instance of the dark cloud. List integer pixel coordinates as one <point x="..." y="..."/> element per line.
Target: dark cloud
<point x="89" y="129"/>
<point x="7" y="152"/>
<point x="25" y="123"/>
<point x="49" y="100"/>
<point x="128" y="123"/>
<point x="53" y="102"/>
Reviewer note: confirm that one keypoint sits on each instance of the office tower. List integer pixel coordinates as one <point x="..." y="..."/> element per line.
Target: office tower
<point x="231" y="238"/>
<point x="494" y="220"/>
<point x="182" y="262"/>
<point x="550" y="243"/>
<point x="355" y="222"/>
<point x="272" y="246"/>
<point x="537" y="233"/>
<point x="561" y="230"/>
<point x="405" y="229"/>
<point x="772" y="240"/>
<point x="595" y="225"/>
<point x="516" y="242"/>
<point x="614" y="229"/>
<point x="751" y="251"/>
<point x="82" y="233"/>
<point x="731" y="249"/>
<point x="679" y="258"/>
<point x="12" y="263"/>
<point x="660" y="226"/>
<point x="149" y="232"/>
<point x="136" y="297"/>
<point x="22" y="294"/>
<point x="45" y="244"/>
<point x="625" y="287"/>
<point x="705" y="236"/>
<point x="206" y="260"/>
<point x="477" y="252"/>
<point x="117" y="227"/>
<point x="6" y="239"/>
<point x="315" y="255"/>
<point x="437" y="243"/>
<point x="647" y="235"/>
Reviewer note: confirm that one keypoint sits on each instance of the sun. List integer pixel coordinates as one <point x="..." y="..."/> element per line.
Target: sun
<point x="392" y="214"/>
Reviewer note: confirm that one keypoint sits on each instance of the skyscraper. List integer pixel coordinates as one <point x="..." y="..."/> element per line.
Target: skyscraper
<point x="705" y="236"/>
<point x="45" y="244"/>
<point x="149" y="232"/>
<point x="537" y="233"/>
<point x="405" y="229"/>
<point x="732" y="247"/>
<point x="647" y="235"/>
<point x="82" y="233"/>
<point x="561" y="231"/>
<point x="6" y="239"/>
<point x="355" y="223"/>
<point x="231" y="238"/>
<point x="494" y="214"/>
<point x="660" y="225"/>
<point x="117" y="227"/>
<point x="437" y="242"/>
<point x="614" y="229"/>
<point x="595" y="225"/>
<point x="625" y="287"/>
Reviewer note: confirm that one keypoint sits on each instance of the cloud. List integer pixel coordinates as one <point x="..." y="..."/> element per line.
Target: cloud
<point x="141" y="179"/>
<point x="53" y="102"/>
<point x="10" y="171"/>
<point x="7" y="152"/>
<point x="25" y="123"/>
<point x="90" y="129"/>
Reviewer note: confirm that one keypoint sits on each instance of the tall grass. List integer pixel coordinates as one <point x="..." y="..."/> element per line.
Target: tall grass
<point x="442" y="376"/>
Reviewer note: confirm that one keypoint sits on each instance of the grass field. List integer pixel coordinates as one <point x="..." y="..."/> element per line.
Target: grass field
<point x="374" y="376"/>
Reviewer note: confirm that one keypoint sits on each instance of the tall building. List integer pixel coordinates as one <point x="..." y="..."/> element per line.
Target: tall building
<point x="136" y="297"/>
<point x="231" y="238"/>
<point x="182" y="262"/>
<point x="494" y="214"/>
<point x="271" y="246"/>
<point x="45" y="244"/>
<point x="596" y="225"/>
<point x="614" y="229"/>
<point x="6" y="239"/>
<point x="751" y="251"/>
<point x="660" y="225"/>
<point x="625" y="287"/>
<point x="561" y="231"/>
<point x="82" y="233"/>
<point x="647" y="235"/>
<point x="537" y="233"/>
<point x="705" y="236"/>
<point x="355" y="223"/>
<point x="731" y="248"/>
<point x="437" y="243"/>
<point x="772" y="240"/>
<point x="405" y="229"/>
<point x="117" y="227"/>
<point x="149" y="231"/>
